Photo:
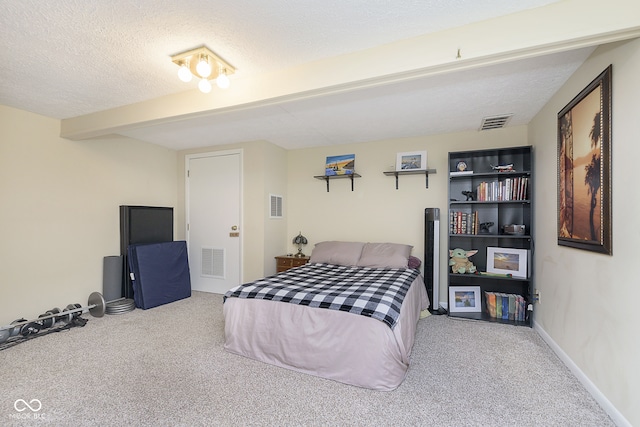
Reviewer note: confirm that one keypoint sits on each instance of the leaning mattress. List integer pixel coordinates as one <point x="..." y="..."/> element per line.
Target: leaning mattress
<point x="160" y="273"/>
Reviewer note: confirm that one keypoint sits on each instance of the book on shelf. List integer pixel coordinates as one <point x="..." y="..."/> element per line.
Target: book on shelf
<point x="512" y="306"/>
<point x="491" y="303"/>
<point x="505" y="306"/>
<point x="463" y="222"/>
<point x="458" y="173"/>
<point x="504" y="190"/>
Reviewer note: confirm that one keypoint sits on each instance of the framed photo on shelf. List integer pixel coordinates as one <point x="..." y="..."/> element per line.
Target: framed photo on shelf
<point x="465" y="299"/>
<point x="584" y="168"/>
<point x="340" y="165"/>
<point x="507" y="261"/>
<point x="411" y="160"/>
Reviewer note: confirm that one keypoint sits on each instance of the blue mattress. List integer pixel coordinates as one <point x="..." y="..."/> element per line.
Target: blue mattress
<point x="160" y="273"/>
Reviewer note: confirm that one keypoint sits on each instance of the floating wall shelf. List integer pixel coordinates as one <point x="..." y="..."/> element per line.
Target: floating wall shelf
<point x="327" y="178"/>
<point x="426" y="172"/>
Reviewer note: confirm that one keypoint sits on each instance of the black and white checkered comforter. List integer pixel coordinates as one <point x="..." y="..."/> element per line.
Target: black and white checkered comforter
<point x="371" y="292"/>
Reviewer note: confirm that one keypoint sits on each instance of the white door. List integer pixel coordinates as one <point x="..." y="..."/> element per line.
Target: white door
<point x="213" y="196"/>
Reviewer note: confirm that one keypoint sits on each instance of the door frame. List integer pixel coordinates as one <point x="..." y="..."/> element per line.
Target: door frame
<point x="187" y="159"/>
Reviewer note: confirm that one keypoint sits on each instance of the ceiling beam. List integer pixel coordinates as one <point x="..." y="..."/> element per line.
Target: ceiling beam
<point x="557" y="27"/>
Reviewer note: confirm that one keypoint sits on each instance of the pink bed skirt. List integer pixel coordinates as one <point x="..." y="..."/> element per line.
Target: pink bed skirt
<point x="336" y="345"/>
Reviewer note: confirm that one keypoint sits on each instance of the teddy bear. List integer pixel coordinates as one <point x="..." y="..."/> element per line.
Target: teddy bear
<point x="459" y="261"/>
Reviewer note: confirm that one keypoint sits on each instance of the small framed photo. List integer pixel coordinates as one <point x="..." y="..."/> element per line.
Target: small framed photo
<point x="507" y="261"/>
<point x="465" y="299"/>
<point x="412" y="160"/>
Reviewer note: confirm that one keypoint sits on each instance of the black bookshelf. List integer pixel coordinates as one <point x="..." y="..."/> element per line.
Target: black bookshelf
<point x="498" y="189"/>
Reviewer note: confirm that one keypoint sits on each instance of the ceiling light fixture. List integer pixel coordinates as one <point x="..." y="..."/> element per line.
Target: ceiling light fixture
<point x="223" y="81"/>
<point x="204" y="86"/>
<point x="205" y="65"/>
<point x="184" y="73"/>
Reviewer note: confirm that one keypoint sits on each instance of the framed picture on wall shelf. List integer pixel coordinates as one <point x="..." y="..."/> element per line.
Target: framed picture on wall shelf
<point x="340" y="165"/>
<point x="411" y="160"/>
<point x="465" y="299"/>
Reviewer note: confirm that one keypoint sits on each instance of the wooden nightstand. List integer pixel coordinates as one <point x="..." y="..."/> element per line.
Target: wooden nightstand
<point x="285" y="262"/>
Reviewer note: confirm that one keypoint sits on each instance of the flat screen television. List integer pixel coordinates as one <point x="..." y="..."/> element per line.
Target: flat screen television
<point x="142" y="224"/>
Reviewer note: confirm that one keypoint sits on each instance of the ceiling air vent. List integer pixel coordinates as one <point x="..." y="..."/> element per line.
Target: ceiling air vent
<point x="495" y="122"/>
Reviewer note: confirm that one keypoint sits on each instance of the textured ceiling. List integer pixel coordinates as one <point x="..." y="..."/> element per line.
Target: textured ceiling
<point x="68" y="58"/>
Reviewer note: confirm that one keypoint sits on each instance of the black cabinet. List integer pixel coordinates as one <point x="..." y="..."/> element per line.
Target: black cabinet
<point x="491" y="212"/>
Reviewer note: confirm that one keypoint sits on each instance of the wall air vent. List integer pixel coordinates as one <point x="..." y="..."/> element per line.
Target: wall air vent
<point x="213" y="263"/>
<point x="495" y="122"/>
<point x="276" y="206"/>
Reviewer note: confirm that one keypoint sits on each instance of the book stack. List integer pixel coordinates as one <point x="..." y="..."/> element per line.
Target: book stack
<point x="505" y="190"/>
<point x="506" y="306"/>
<point x="463" y="222"/>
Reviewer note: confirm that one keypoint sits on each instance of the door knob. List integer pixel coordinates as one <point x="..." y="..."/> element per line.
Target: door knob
<point x="234" y="228"/>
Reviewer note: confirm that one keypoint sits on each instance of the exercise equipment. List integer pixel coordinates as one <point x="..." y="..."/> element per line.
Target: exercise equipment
<point x="159" y="273"/>
<point x="71" y="313"/>
<point x="120" y="306"/>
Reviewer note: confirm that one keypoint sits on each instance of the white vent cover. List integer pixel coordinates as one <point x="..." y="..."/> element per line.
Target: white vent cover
<point x="213" y="263"/>
<point x="495" y="122"/>
<point x="276" y="206"/>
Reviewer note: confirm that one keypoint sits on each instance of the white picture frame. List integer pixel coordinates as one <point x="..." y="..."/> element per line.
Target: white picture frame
<point x="507" y="261"/>
<point x="465" y="299"/>
<point x="411" y="160"/>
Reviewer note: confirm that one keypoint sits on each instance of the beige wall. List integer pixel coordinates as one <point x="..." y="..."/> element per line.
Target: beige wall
<point x="275" y="182"/>
<point x="60" y="215"/>
<point x="375" y="211"/>
<point x="588" y="305"/>
<point x="264" y="172"/>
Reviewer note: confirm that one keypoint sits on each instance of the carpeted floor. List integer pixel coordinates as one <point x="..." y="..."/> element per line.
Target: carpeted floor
<point x="166" y="367"/>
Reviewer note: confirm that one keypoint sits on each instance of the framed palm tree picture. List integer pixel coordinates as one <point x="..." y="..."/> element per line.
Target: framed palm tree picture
<point x="584" y="168"/>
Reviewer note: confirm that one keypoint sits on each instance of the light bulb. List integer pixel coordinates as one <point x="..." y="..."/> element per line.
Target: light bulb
<point x="222" y="81"/>
<point x="184" y="73"/>
<point x="203" y="68"/>
<point x="204" y="86"/>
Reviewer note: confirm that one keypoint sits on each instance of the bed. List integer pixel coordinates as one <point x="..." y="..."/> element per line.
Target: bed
<point x="308" y="318"/>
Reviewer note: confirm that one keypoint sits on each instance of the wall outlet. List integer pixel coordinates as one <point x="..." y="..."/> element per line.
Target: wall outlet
<point x="536" y="296"/>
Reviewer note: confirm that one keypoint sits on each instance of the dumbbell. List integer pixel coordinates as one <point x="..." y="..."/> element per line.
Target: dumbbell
<point x="46" y="321"/>
<point x="96" y="307"/>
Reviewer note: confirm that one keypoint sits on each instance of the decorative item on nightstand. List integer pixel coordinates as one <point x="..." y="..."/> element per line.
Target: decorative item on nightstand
<point x="300" y="240"/>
